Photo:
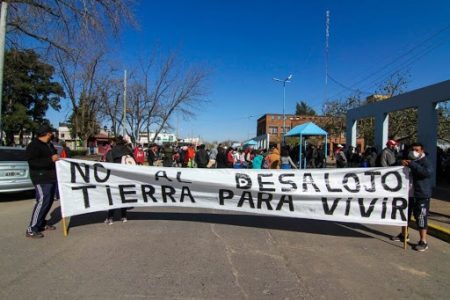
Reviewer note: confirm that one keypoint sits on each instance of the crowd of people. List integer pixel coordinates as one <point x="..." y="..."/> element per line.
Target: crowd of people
<point x="42" y="154"/>
<point x="189" y="156"/>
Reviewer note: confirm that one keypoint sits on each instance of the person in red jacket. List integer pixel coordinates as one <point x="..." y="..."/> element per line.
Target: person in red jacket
<point x="139" y="155"/>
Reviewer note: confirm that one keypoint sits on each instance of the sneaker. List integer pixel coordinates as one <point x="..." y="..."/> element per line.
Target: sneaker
<point x="124" y="220"/>
<point x="400" y="238"/>
<point x="49" y="227"/>
<point x="109" y="221"/>
<point x="34" y="234"/>
<point x="421" y="246"/>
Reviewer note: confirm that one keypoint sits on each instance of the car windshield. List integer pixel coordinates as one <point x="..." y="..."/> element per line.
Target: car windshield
<point x="12" y="154"/>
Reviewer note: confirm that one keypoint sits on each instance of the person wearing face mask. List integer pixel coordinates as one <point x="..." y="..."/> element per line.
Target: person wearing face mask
<point x="388" y="156"/>
<point x="41" y="156"/>
<point x="419" y="202"/>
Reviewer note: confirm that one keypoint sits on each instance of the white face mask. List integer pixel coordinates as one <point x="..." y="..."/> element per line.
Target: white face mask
<point x="414" y="155"/>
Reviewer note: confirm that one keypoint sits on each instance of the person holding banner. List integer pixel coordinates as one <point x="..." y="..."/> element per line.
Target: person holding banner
<point x="41" y="156"/>
<point x="120" y="150"/>
<point x="419" y="203"/>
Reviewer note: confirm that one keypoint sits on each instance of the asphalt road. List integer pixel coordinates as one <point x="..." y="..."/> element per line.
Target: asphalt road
<point x="204" y="254"/>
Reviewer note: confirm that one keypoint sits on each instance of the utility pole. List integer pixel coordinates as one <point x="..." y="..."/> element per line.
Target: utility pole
<point x="288" y="79"/>
<point x="124" y="102"/>
<point x="2" y="59"/>
<point x="327" y="37"/>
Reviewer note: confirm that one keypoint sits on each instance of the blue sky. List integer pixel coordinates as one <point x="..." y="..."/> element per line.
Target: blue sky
<point x="246" y="43"/>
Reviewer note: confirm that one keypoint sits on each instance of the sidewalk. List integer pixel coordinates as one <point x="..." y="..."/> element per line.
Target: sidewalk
<point x="439" y="218"/>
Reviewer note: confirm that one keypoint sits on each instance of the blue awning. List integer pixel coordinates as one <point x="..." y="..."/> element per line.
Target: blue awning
<point x="306" y="129"/>
<point x="251" y="143"/>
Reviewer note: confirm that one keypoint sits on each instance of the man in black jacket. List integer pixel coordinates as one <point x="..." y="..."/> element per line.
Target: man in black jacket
<point x="201" y="157"/>
<point x="419" y="204"/>
<point x="41" y="156"/>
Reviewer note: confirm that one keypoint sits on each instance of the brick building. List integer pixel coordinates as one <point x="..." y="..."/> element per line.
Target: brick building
<point x="272" y="124"/>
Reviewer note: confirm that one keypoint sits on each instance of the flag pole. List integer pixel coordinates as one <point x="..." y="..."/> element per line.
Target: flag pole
<point x="405" y="235"/>
<point x="64" y="223"/>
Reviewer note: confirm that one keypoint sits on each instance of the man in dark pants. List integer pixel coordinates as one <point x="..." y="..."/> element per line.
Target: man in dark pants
<point x="41" y="156"/>
<point x="419" y="204"/>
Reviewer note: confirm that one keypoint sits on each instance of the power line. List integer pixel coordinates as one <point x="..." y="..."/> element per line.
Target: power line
<point x="409" y="61"/>
<point x="346" y="87"/>
<point x="396" y="59"/>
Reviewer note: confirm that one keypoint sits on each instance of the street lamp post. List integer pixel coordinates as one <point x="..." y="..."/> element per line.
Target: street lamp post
<point x="105" y="128"/>
<point x="288" y="79"/>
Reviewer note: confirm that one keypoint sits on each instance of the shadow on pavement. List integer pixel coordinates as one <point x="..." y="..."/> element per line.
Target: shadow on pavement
<point x="266" y="222"/>
<point x="19" y="196"/>
<point x="55" y="216"/>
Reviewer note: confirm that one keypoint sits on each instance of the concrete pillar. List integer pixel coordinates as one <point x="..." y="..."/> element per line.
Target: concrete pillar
<point x="350" y="137"/>
<point x="427" y="132"/>
<point x="381" y="130"/>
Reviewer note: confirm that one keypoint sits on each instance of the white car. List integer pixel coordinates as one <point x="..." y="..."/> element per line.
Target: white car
<point x="14" y="170"/>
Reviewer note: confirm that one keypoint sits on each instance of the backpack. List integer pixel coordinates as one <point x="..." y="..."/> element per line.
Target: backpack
<point x="128" y="160"/>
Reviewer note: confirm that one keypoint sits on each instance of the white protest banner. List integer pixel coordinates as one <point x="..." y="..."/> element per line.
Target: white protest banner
<point x="364" y="195"/>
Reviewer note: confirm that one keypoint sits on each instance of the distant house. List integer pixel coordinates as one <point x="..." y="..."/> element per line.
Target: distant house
<point x="161" y="138"/>
<point x="65" y="135"/>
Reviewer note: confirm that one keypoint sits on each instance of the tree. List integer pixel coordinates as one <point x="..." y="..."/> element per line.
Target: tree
<point x="402" y="124"/>
<point x="59" y="23"/>
<point x="28" y="92"/>
<point x="443" y="113"/>
<point x="83" y="79"/>
<point x="303" y="109"/>
<point x="159" y="87"/>
<point x="336" y="111"/>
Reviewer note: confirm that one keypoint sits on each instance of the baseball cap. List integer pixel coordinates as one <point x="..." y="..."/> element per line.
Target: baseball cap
<point x="44" y="129"/>
<point x="391" y="143"/>
<point x="340" y="146"/>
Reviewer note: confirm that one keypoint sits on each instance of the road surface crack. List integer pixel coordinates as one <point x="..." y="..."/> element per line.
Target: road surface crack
<point x="228" y="252"/>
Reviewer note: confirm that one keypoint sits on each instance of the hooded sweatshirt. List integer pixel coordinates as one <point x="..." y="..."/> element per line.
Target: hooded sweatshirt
<point x="274" y="159"/>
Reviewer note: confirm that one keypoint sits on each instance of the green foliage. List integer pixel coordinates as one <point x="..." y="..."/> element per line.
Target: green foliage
<point x="443" y="113"/>
<point x="336" y="111"/>
<point x="402" y="124"/>
<point x="28" y="92"/>
<point x="303" y="109"/>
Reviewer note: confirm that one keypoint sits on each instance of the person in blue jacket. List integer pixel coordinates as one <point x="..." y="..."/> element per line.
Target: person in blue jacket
<point x="419" y="203"/>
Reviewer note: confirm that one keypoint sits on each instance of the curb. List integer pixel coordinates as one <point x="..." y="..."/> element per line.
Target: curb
<point x="435" y="230"/>
<point x="439" y="232"/>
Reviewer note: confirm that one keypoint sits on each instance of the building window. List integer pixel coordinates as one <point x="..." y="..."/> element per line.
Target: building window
<point x="62" y="135"/>
<point x="273" y="118"/>
<point x="279" y="117"/>
<point x="273" y="130"/>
